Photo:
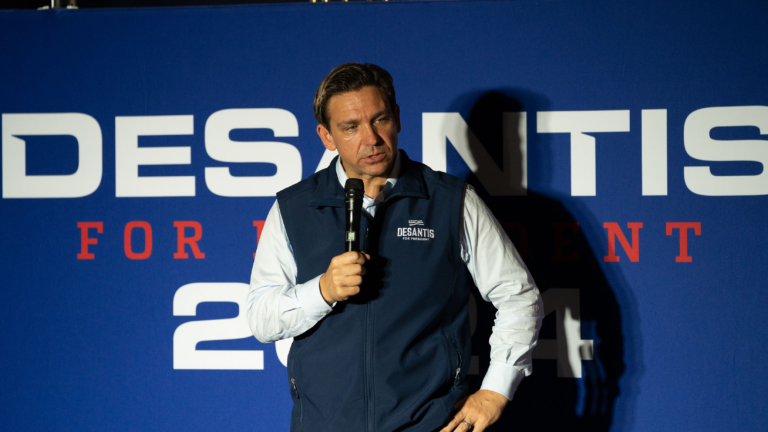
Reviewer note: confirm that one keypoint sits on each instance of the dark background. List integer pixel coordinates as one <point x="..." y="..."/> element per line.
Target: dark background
<point x="89" y="4"/>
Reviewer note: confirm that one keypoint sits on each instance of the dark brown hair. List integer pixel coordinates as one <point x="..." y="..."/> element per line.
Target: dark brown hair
<point x="352" y="77"/>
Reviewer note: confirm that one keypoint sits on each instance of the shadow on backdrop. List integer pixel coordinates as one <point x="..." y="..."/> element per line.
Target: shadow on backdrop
<point x="551" y="231"/>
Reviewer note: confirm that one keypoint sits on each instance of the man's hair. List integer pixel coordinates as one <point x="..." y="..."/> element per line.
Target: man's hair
<point x="352" y="77"/>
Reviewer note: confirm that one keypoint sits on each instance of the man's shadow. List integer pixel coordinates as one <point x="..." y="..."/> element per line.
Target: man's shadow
<point x="552" y="232"/>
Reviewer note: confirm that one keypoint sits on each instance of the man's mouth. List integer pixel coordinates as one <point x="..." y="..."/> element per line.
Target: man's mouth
<point x="375" y="158"/>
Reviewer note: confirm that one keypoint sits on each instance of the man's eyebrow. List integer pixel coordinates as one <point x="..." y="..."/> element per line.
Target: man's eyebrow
<point x="353" y="122"/>
<point x="347" y="123"/>
<point x="381" y="113"/>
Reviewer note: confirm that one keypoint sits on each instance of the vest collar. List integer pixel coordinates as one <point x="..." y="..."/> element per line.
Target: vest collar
<point x="410" y="184"/>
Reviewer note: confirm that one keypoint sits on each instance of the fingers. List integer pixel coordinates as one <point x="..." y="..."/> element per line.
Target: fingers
<point x="460" y="424"/>
<point x="452" y="425"/>
<point x="342" y="273"/>
<point x="479" y="410"/>
<point x="352" y="257"/>
<point x="352" y="281"/>
<point x="344" y="276"/>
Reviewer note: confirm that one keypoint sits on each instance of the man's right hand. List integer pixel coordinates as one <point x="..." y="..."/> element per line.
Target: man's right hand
<point x="343" y="278"/>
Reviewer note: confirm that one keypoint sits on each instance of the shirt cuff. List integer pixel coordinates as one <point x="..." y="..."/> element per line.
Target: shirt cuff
<point x="311" y="301"/>
<point x="502" y="378"/>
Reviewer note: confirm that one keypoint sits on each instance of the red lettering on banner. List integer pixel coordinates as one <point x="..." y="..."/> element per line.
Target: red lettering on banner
<point x="522" y="246"/>
<point x="614" y="232"/>
<point x="147" y="240"/>
<point x="191" y="241"/>
<point x="684" y="227"/>
<point x="85" y="240"/>
<point x="560" y="241"/>
<point x="259" y="227"/>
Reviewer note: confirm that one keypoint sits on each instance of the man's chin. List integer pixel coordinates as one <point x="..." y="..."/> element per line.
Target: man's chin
<point x="380" y="169"/>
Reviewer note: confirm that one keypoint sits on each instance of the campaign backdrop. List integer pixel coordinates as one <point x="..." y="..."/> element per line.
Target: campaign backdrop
<point x="621" y="144"/>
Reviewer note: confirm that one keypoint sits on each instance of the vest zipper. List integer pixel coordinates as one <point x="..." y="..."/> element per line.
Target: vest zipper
<point x="298" y="397"/>
<point x="368" y="367"/>
<point x="296" y="388"/>
<point x="458" y="368"/>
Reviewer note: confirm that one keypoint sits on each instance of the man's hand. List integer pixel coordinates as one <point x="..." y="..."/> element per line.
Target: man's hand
<point x="480" y="410"/>
<point x="343" y="278"/>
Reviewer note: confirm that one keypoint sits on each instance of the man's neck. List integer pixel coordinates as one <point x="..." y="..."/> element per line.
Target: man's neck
<point x="373" y="184"/>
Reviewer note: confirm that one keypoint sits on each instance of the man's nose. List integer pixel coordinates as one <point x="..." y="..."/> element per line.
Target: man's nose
<point x="370" y="136"/>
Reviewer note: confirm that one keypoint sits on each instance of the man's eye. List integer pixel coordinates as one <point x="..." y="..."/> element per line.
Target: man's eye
<point x="350" y="128"/>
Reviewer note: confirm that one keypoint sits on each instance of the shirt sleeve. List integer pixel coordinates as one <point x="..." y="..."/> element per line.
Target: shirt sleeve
<point x="503" y="279"/>
<point x="278" y="307"/>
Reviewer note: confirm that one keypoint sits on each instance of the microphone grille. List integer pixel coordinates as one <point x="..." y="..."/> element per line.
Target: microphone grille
<point x="354" y="187"/>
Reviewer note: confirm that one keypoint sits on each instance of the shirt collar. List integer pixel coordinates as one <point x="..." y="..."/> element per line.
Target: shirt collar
<point x="388" y="186"/>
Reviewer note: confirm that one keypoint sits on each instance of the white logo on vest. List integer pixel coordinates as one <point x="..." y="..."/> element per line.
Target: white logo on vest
<point x="418" y="234"/>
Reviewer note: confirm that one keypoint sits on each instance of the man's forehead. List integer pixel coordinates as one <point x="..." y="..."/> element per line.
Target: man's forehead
<point x="348" y="102"/>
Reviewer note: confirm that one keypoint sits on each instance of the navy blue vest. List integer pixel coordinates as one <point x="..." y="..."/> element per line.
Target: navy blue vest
<point x="393" y="357"/>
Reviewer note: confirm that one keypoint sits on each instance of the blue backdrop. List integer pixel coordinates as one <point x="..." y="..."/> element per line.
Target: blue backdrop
<point x="618" y="113"/>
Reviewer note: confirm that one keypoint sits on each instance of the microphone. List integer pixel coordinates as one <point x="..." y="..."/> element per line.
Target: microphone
<point x="353" y="202"/>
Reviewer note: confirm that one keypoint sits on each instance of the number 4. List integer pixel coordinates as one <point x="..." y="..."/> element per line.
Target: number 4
<point x="187" y="335"/>
<point x="568" y="349"/>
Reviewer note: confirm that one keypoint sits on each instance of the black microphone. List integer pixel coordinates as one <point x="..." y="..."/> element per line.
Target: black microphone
<point x="353" y="202"/>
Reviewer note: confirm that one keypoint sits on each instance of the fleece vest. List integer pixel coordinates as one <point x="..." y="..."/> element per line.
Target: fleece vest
<point x="394" y="357"/>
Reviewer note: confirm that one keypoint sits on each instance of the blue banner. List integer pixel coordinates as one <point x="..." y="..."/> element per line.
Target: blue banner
<point x="622" y="145"/>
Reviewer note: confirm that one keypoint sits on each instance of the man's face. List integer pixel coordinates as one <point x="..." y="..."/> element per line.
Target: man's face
<point x="364" y="130"/>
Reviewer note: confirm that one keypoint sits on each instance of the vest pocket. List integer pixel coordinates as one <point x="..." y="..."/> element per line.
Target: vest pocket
<point x="295" y="393"/>
<point x="457" y="376"/>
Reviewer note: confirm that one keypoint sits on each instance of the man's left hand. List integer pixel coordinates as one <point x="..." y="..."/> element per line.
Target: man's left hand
<point x="480" y="410"/>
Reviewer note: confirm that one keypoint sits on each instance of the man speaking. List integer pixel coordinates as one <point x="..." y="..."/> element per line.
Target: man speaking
<point x="382" y="335"/>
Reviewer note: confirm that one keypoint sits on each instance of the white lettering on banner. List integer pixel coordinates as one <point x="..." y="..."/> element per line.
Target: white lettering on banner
<point x="128" y="156"/>
<point x="583" y="157"/>
<point x="187" y="335"/>
<point x="654" y="152"/>
<point x="221" y="148"/>
<point x="83" y="182"/>
<point x="511" y="180"/>
<point x="700" y="145"/>
<point x="568" y="349"/>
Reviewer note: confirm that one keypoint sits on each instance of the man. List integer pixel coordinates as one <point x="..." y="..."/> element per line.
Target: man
<point x="381" y="337"/>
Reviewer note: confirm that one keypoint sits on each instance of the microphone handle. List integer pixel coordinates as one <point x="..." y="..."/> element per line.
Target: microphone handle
<point x="352" y="231"/>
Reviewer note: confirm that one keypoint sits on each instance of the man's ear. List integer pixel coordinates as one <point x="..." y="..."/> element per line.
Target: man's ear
<point x="326" y="137"/>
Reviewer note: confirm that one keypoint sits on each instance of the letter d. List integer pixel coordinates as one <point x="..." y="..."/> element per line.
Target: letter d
<point x="16" y="182"/>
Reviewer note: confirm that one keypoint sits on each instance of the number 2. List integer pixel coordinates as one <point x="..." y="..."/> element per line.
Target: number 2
<point x="187" y="335"/>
